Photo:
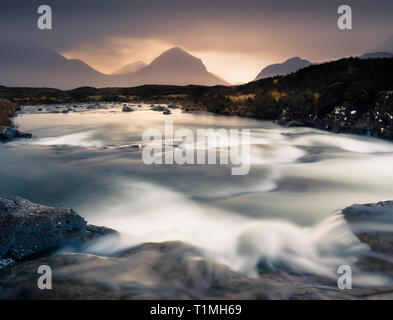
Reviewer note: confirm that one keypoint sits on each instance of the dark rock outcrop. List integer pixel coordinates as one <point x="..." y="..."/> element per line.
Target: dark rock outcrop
<point x="28" y="229"/>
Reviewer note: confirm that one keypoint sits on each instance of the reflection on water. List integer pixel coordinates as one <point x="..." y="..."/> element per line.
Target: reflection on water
<point x="282" y="211"/>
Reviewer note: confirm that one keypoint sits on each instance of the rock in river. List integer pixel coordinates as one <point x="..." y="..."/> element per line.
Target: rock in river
<point x="167" y="111"/>
<point x="127" y="109"/>
<point x="28" y="229"/>
<point x="158" y="108"/>
<point x="7" y="133"/>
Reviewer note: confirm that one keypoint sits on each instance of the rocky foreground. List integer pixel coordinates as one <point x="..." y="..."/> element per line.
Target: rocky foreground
<point x="30" y="234"/>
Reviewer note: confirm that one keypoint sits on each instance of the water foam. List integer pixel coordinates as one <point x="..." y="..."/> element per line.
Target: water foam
<point x="245" y="244"/>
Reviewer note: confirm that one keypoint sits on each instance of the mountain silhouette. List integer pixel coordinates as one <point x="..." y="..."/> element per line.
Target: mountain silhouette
<point x="25" y="63"/>
<point x="282" y="69"/>
<point x="175" y="66"/>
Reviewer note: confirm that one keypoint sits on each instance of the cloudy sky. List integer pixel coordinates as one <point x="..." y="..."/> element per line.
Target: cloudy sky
<point x="235" y="39"/>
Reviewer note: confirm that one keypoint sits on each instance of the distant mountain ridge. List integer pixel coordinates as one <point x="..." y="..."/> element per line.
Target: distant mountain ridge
<point x="376" y="55"/>
<point x="282" y="69"/>
<point x="28" y="64"/>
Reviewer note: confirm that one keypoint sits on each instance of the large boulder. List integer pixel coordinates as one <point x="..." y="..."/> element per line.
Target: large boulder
<point x="28" y="229"/>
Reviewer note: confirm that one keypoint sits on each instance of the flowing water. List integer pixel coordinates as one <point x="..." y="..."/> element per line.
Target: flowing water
<point x="283" y="212"/>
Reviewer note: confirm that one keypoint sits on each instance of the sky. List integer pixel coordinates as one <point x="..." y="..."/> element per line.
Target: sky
<point x="235" y="39"/>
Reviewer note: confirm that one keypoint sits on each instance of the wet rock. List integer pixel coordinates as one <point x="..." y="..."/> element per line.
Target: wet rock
<point x="127" y="109"/>
<point x="362" y="218"/>
<point x="7" y="133"/>
<point x="173" y="106"/>
<point x="167" y="111"/>
<point x="158" y="108"/>
<point x="28" y="229"/>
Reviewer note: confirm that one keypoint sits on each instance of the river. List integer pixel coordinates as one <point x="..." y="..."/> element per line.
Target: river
<point x="285" y="211"/>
